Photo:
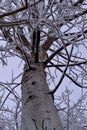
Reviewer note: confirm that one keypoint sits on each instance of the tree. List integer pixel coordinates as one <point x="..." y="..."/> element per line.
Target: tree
<point x="73" y="111"/>
<point x="45" y="35"/>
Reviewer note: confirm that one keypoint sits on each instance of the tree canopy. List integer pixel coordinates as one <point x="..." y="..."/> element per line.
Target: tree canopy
<point x="63" y="27"/>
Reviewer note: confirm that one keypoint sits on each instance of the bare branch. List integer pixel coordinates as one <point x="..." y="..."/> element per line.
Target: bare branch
<point x="78" y="2"/>
<point x="55" y="53"/>
<point x="15" y="11"/>
<point x="74" y="81"/>
<point x="72" y="17"/>
<point x="64" y="72"/>
<point x="10" y="92"/>
<point x="46" y="45"/>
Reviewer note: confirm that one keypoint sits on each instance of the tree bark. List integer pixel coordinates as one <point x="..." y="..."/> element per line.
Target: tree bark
<point x="38" y="109"/>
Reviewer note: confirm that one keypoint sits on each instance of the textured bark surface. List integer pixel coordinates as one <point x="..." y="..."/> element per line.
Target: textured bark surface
<point x="38" y="110"/>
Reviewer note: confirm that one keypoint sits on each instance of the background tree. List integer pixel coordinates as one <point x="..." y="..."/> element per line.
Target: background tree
<point x="46" y="35"/>
<point x="73" y="112"/>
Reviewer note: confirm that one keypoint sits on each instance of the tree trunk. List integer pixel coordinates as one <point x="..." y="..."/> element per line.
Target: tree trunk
<point x="38" y="110"/>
